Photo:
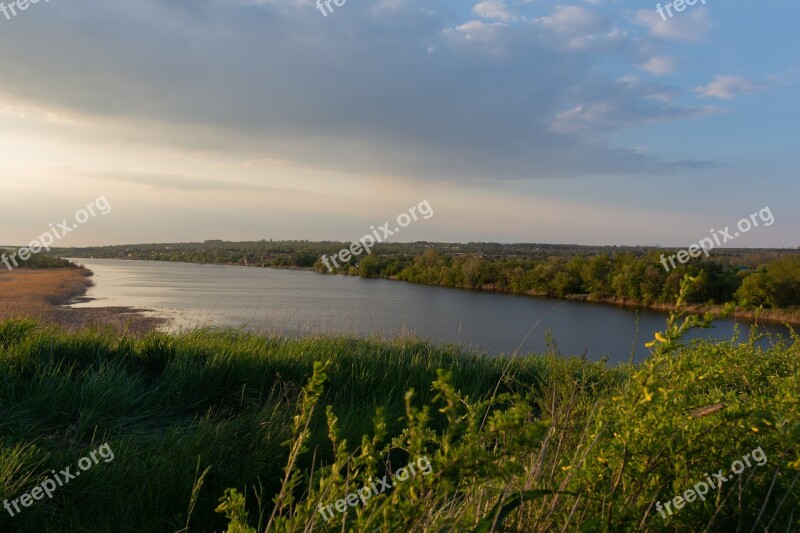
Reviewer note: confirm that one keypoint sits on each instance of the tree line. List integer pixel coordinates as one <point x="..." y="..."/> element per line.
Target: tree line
<point x="774" y="284"/>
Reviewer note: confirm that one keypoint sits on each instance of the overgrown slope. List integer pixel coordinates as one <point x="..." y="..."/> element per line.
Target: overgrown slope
<point x="189" y="416"/>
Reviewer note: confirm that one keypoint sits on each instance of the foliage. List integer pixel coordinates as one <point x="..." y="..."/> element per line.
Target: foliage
<point x="591" y="459"/>
<point x="776" y="284"/>
<point x="36" y="261"/>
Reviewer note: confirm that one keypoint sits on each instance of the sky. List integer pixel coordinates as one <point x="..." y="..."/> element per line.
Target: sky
<point x="580" y="121"/>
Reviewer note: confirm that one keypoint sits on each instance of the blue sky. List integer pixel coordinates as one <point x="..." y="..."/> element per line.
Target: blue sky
<point x="590" y="122"/>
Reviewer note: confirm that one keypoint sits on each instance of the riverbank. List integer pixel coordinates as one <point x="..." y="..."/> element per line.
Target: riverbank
<point x="45" y="295"/>
<point x="778" y="316"/>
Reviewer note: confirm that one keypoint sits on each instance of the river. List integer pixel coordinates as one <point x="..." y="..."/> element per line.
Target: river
<point x="300" y="302"/>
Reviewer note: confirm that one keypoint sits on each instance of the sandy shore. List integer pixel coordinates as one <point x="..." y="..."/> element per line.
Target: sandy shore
<point x="44" y="294"/>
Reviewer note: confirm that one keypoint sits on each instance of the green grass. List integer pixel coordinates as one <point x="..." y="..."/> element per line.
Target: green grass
<point x="205" y="411"/>
<point x="166" y="403"/>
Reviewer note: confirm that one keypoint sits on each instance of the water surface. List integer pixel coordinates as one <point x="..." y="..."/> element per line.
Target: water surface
<point x="301" y="302"/>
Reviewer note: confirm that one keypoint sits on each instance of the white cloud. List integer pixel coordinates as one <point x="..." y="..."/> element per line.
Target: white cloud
<point x="494" y="9"/>
<point x="689" y="26"/>
<point x="728" y="88"/>
<point x="660" y="66"/>
<point x="625" y="103"/>
<point x="478" y="30"/>
<point x="578" y="28"/>
<point x="573" y="20"/>
<point x="599" y="41"/>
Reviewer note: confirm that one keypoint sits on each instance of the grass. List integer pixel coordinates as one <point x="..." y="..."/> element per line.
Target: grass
<point x="224" y="399"/>
<point x="562" y="444"/>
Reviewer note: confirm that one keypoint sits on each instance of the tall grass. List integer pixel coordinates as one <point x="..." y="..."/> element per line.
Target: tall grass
<point x="170" y="404"/>
<point x="240" y="421"/>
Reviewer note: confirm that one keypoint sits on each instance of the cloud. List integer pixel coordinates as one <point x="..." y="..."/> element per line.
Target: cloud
<point x="172" y="181"/>
<point x="728" y="88"/>
<point x="428" y="93"/>
<point x="625" y="103"/>
<point x="572" y="20"/>
<point x="494" y="9"/>
<point x="478" y="30"/>
<point x="691" y="26"/>
<point x="660" y="66"/>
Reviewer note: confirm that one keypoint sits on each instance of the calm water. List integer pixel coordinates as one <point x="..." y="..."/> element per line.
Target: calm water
<point x="292" y="302"/>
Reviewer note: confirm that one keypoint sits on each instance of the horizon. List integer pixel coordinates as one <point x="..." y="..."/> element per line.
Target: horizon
<point x="509" y="243"/>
